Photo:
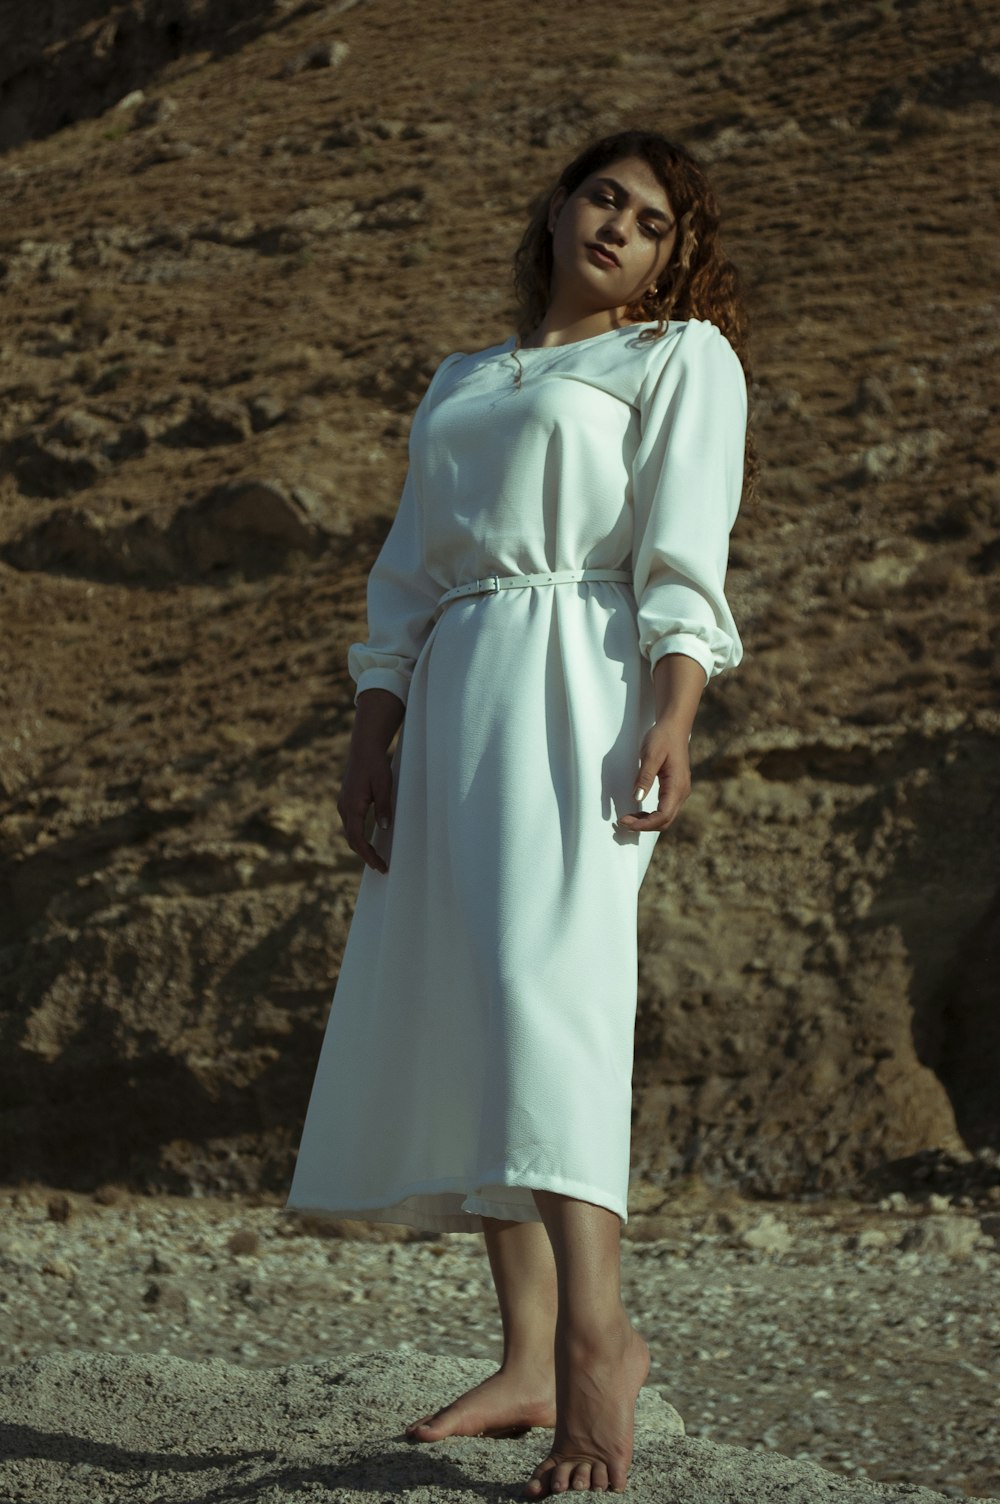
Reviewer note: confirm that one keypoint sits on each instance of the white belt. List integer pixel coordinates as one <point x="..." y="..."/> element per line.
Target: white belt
<point x="496" y="582"/>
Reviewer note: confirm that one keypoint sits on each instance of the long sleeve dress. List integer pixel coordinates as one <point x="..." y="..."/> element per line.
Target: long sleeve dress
<point x="480" y="1040"/>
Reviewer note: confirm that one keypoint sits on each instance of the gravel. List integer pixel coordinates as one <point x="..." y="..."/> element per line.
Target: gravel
<point x="862" y="1338"/>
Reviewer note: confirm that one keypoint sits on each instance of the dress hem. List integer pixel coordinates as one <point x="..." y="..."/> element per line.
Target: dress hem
<point x="469" y="1217"/>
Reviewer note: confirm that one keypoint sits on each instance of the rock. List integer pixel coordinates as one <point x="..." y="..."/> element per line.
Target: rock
<point x="868" y="1239"/>
<point x="93" y="1424"/>
<point x="398" y="210"/>
<point x="46" y="465"/>
<point x="253" y="521"/>
<point x="167" y="150"/>
<point x="93" y="321"/>
<point x="76" y="429"/>
<point x="319" y="55"/>
<point x="72" y="540"/>
<point x="898" y="455"/>
<point x="108" y="1194"/>
<point x="265" y="411"/>
<point x="244" y="1240"/>
<point x="990" y="1225"/>
<point x="872" y="396"/>
<point x="769" y="1235"/>
<point x="252" y="524"/>
<point x="955" y="1236"/>
<point x="213" y="419"/>
<point x="60" y="1268"/>
<point x="155" y="111"/>
<point x="166" y="1295"/>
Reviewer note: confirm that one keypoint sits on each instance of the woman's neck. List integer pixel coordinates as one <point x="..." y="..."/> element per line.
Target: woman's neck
<point x="554" y="331"/>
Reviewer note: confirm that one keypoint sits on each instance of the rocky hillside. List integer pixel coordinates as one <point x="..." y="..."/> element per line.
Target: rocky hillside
<point x="235" y="242"/>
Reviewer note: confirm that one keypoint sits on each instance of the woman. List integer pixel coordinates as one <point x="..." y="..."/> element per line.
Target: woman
<point x="543" y="617"/>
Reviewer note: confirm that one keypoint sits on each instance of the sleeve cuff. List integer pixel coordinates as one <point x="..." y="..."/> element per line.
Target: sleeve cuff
<point x="383" y="678"/>
<point x="686" y="643"/>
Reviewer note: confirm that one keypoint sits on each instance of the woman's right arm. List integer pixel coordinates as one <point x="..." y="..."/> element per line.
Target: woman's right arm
<point x="368" y="775"/>
<point x="402" y="601"/>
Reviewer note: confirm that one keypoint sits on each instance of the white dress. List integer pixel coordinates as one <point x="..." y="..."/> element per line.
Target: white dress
<point x="480" y="1039"/>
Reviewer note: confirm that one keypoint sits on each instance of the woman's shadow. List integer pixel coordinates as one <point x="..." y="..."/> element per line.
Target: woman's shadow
<point x="392" y="1470"/>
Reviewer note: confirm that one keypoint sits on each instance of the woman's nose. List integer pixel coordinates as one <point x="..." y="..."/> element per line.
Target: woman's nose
<point x="617" y="227"/>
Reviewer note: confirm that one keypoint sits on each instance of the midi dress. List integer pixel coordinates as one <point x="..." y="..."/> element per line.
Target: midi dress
<point x="479" y="1044"/>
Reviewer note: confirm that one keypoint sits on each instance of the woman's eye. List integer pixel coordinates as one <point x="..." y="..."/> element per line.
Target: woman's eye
<point x="652" y="230"/>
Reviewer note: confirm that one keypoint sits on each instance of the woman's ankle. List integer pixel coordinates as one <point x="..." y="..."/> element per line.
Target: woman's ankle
<point x="595" y="1329"/>
<point x="529" y="1361"/>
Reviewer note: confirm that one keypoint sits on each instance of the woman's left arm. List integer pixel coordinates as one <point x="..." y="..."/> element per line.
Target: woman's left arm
<point x="687" y="482"/>
<point x="678" y="683"/>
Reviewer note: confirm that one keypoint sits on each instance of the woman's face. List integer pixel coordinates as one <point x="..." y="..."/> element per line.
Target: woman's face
<point x="623" y="211"/>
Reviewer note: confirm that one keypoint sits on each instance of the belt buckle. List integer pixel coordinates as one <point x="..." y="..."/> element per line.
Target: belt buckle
<point x="490" y="584"/>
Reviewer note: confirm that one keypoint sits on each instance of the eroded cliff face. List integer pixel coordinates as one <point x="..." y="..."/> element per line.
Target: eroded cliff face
<point x="221" y="302"/>
<point x="74" y="60"/>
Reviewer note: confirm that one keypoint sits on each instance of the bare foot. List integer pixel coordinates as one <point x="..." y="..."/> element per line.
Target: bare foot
<point x="505" y="1404"/>
<point x="597" y="1383"/>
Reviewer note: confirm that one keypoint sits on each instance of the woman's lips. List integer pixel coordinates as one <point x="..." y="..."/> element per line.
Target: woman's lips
<point x="603" y="257"/>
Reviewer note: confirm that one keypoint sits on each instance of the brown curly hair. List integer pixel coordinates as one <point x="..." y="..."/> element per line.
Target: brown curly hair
<point x="699" y="281"/>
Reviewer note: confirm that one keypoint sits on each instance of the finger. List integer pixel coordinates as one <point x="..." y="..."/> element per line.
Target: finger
<point x="668" y="806"/>
<point x="644" y="821"/>
<point x="354" y="826"/>
<point x="372" y="857"/>
<point x="354" y="829"/>
<point x="645" y="778"/>
<point x="644" y="781"/>
<point x="665" y="813"/>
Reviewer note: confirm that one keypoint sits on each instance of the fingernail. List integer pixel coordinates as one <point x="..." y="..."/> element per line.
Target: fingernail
<point x="640" y="793"/>
<point x="384" y="822"/>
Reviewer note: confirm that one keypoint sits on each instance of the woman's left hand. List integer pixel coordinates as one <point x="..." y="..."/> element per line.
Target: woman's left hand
<point x="664" y="755"/>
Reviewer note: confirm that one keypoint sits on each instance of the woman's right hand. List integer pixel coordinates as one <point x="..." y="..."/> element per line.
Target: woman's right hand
<point x="367" y="781"/>
<point x="368" y="775"/>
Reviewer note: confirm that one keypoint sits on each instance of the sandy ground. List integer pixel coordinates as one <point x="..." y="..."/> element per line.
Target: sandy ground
<point x="863" y="1339"/>
<point x="161" y="1429"/>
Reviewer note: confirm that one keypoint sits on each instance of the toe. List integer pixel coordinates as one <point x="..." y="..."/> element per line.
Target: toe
<point x="618" y="1479"/>
<point x="537" y="1485"/>
<point x="562" y="1477"/>
<point x="599" y="1477"/>
<point x="581" y="1475"/>
<point x="426" y="1424"/>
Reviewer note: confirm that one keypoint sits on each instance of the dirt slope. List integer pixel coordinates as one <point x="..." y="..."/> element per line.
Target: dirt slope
<point x="220" y="303"/>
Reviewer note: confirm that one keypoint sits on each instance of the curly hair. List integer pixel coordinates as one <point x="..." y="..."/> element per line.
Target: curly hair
<point x="699" y="281"/>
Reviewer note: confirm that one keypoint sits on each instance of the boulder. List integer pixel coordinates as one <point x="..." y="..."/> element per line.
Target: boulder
<point x="79" y="1427"/>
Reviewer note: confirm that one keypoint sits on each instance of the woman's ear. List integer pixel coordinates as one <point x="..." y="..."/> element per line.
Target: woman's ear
<point x="555" y="204"/>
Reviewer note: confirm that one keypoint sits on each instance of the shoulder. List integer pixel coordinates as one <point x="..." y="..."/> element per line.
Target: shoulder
<point x="693" y="349"/>
<point x="694" y="339"/>
<point x="448" y="363"/>
<point x="454" y="368"/>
